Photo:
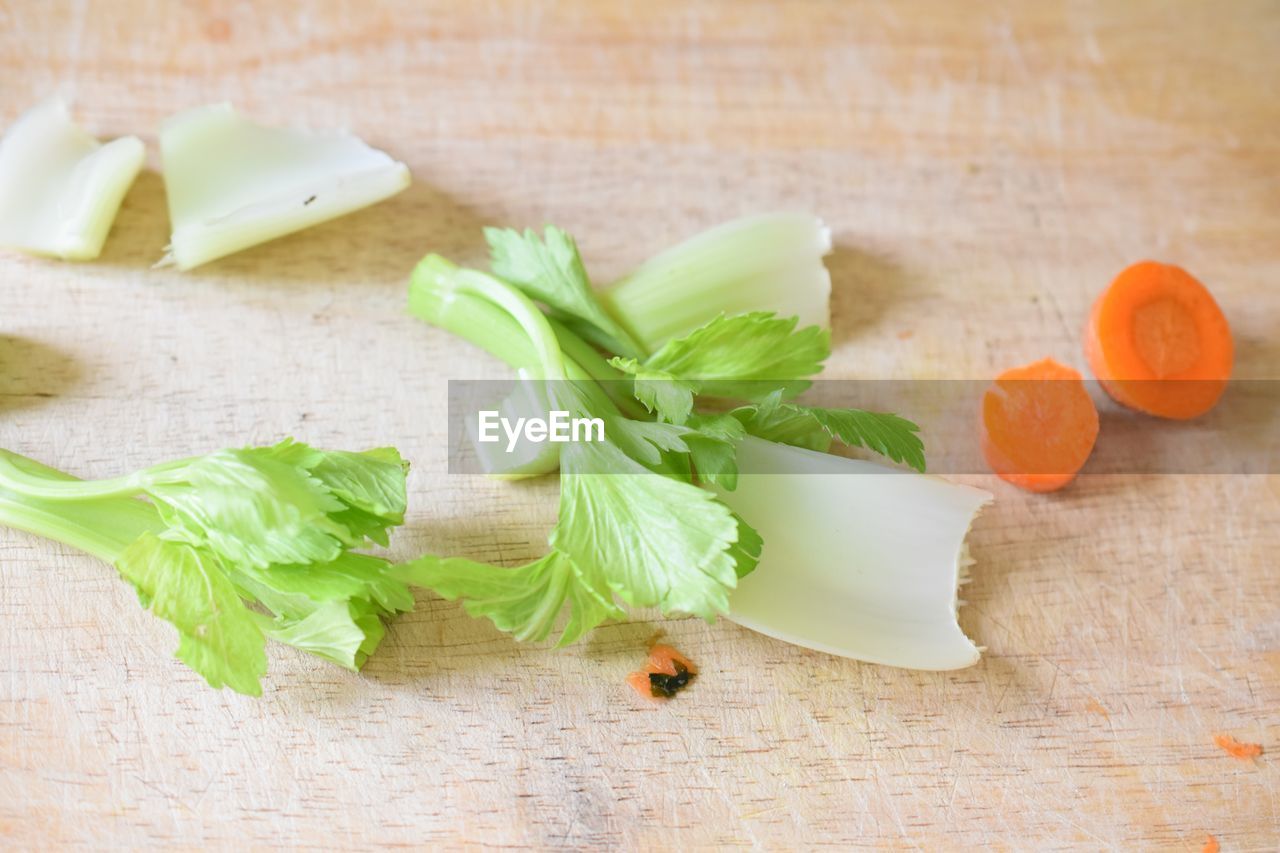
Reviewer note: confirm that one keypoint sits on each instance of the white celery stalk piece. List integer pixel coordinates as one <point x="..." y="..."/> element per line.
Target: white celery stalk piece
<point x="233" y="183"/>
<point x="859" y="560"/>
<point x="60" y="188"/>
<point x="771" y="262"/>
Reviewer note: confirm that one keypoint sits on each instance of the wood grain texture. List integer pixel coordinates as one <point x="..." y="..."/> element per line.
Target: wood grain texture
<point x="985" y="170"/>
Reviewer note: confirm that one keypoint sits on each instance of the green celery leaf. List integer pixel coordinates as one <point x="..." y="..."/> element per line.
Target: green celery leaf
<point x="525" y="601"/>
<point x="551" y="271"/>
<point x="372" y="481"/>
<point x="713" y="448"/>
<point x="645" y="441"/>
<point x="329" y="631"/>
<point x="656" y="540"/>
<point x="292" y="589"/>
<point x="746" y="551"/>
<point x="374" y="631"/>
<point x="658" y="391"/>
<point x="745" y="356"/>
<point x="287" y="503"/>
<point x="809" y="426"/>
<point x="783" y="423"/>
<point x="186" y="586"/>
<point x="254" y="506"/>
<point x="714" y="461"/>
<point x="885" y="433"/>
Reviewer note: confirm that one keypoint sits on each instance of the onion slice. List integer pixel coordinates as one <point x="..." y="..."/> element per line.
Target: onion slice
<point x="233" y="183"/>
<point x="60" y="188"/>
<point x="859" y="560"/>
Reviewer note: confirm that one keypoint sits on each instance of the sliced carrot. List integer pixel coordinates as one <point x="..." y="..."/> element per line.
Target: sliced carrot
<point x="639" y="682"/>
<point x="1158" y="343"/>
<point x="1211" y="845"/>
<point x="1038" y="425"/>
<point x="665" y="673"/>
<point x="1236" y="749"/>
<point x="663" y="659"/>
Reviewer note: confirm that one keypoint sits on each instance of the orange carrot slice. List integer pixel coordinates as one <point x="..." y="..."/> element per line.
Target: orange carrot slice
<point x="665" y="673"/>
<point x="1038" y="425"/>
<point x="1158" y="342"/>
<point x="1236" y="749"/>
<point x="1211" y="845"/>
<point x="664" y="659"/>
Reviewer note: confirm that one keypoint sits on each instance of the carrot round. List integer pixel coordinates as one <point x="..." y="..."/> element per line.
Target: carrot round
<point x="1038" y="425"/>
<point x="665" y="673"/>
<point x="1158" y="342"/>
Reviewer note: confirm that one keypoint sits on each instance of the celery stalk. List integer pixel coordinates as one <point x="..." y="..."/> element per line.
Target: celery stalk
<point x="771" y="262"/>
<point x="511" y="328"/>
<point x="60" y="188"/>
<point x="859" y="560"/>
<point x="233" y="183"/>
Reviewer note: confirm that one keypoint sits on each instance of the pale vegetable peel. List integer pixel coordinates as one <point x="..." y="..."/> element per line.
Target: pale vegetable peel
<point x="233" y="183"/>
<point x="60" y="188"/>
<point x="771" y="262"/>
<point x="859" y="560"/>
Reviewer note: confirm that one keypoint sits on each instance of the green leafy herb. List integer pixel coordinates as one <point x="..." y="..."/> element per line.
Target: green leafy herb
<point x="524" y="601"/>
<point x="748" y="356"/>
<point x="550" y="270"/>
<point x="236" y="546"/>
<point x="815" y="428"/>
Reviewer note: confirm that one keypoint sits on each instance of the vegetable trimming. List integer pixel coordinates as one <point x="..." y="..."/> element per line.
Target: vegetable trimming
<point x="236" y="547"/>
<point x="637" y="525"/>
<point x="60" y="189"/>
<point x="232" y="183"/>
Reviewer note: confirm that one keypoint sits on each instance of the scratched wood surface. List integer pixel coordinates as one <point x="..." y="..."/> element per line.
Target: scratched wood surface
<point x="985" y="170"/>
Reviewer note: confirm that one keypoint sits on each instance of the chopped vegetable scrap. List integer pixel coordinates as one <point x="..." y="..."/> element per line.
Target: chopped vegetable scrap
<point x="665" y="673"/>
<point x="1211" y="845"/>
<point x="1158" y="342"/>
<point x="1236" y="749"/>
<point x="236" y="547"/>
<point x="771" y="262"/>
<point x="60" y="188"/>
<point x="846" y="536"/>
<point x="636" y="525"/>
<point x="1038" y="425"/>
<point x="233" y="183"/>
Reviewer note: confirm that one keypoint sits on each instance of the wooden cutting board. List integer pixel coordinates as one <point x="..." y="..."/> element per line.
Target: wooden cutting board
<point x="985" y="171"/>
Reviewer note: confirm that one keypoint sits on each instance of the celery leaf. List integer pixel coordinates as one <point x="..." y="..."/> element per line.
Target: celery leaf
<point x="525" y="601"/>
<point x="657" y="541"/>
<point x="329" y="630"/>
<point x="550" y="270"/>
<point x="658" y="391"/>
<point x="747" y="356"/>
<point x="814" y="428"/>
<point x="738" y="356"/>
<point x="184" y="585"/>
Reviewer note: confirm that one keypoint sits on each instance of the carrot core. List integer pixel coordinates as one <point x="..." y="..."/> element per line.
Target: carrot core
<point x="1164" y="335"/>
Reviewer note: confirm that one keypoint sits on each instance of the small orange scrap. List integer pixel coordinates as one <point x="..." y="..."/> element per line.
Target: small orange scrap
<point x="1211" y="845"/>
<point x="1236" y="749"/>
<point x="665" y="673"/>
